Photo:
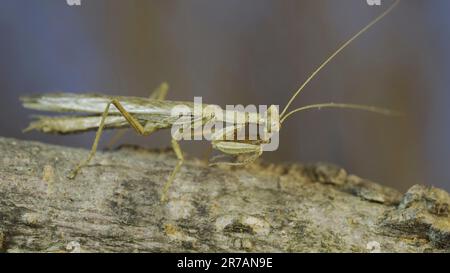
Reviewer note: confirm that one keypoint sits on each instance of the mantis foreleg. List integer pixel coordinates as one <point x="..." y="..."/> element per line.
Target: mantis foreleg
<point x="238" y="148"/>
<point x="232" y="147"/>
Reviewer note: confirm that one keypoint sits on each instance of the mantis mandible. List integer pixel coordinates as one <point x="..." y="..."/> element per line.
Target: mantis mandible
<point x="147" y="115"/>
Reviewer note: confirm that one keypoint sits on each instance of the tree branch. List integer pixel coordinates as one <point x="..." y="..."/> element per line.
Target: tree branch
<point x="114" y="206"/>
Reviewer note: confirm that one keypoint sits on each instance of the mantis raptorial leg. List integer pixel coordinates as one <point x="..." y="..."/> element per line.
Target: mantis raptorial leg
<point x="160" y="93"/>
<point x="219" y="142"/>
<point x="238" y="148"/>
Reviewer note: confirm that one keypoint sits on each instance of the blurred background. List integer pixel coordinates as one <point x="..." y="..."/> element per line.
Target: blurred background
<point x="249" y="52"/>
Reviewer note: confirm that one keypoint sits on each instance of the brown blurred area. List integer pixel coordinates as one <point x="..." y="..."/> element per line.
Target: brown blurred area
<point x="249" y="52"/>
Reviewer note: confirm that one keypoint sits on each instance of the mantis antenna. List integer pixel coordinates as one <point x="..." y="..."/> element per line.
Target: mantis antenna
<point x="342" y="47"/>
<point x="319" y="106"/>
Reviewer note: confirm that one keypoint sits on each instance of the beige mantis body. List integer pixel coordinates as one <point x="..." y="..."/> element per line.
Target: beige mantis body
<point x="147" y="115"/>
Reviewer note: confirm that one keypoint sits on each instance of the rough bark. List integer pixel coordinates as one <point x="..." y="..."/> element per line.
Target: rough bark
<point x="114" y="206"/>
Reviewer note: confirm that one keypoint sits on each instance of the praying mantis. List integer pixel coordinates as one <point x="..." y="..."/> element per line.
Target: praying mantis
<point x="148" y="115"/>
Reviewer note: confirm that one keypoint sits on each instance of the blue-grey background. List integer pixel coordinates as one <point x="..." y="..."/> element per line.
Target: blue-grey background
<point x="249" y="52"/>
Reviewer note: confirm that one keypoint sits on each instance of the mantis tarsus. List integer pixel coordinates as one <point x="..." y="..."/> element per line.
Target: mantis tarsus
<point x="147" y="115"/>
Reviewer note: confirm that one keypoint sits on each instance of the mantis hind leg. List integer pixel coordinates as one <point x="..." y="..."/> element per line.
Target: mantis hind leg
<point x="131" y="120"/>
<point x="83" y="163"/>
<point x="160" y="93"/>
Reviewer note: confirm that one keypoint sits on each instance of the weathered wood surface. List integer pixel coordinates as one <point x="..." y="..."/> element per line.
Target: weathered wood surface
<point x="114" y="206"/>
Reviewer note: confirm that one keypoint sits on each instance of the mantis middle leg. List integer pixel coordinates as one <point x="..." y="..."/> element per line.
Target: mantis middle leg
<point x="177" y="149"/>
